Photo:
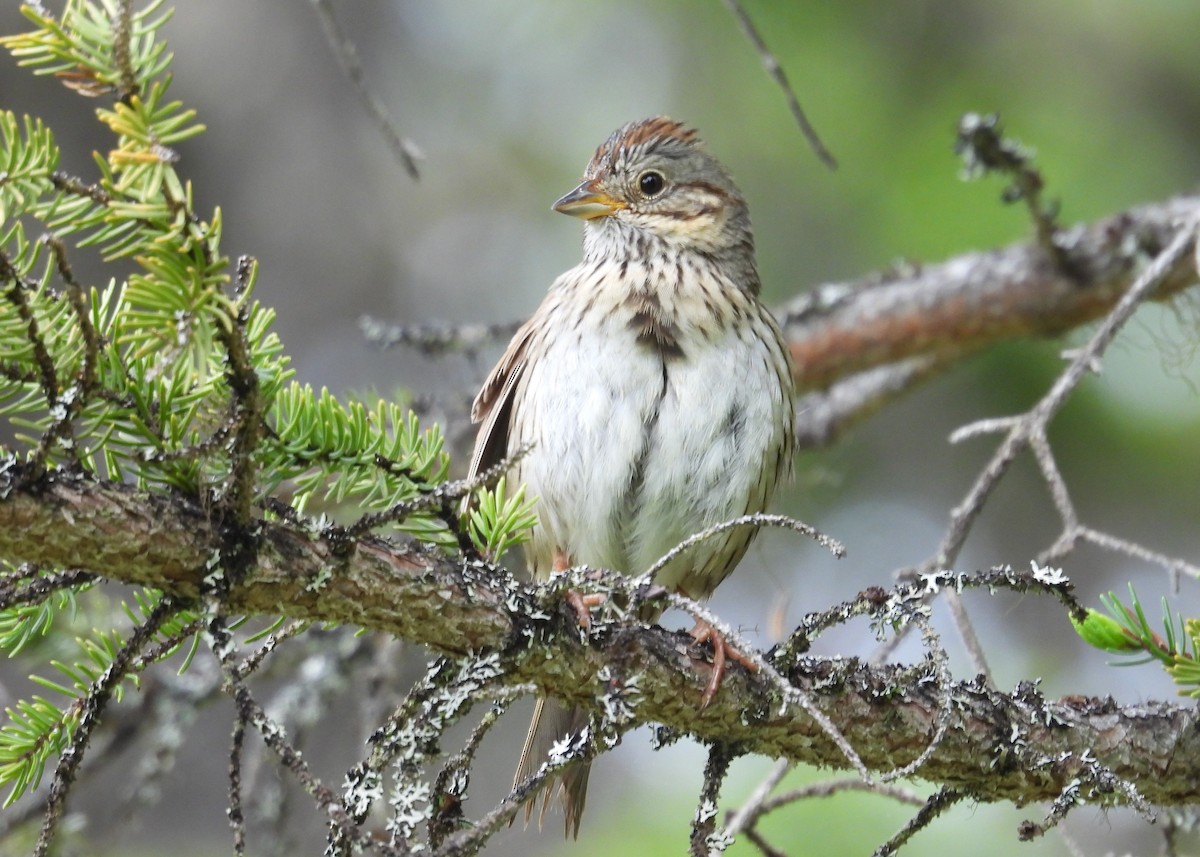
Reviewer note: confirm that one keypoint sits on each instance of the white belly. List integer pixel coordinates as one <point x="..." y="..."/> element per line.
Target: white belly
<point x="626" y="463"/>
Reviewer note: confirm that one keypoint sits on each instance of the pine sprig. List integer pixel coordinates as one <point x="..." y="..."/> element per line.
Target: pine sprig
<point x="146" y="128"/>
<point x="1125" y="630"/>
<point x="92" y="48"/>
<point x="28" y="156"/>
<point x="499" y="522"/>
<point x="171" y="376"/>
<point x="37" y="729"/>
<point x="345" y="452"/>
<point x="22" y="625"/>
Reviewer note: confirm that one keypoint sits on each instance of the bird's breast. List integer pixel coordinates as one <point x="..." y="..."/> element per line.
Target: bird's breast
<point x="651" y="417"/>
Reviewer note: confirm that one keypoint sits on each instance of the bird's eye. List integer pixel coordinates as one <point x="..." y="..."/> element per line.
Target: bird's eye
<point x="651" y="183"/>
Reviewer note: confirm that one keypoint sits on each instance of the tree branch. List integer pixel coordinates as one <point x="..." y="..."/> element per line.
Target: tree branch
<point x="861" y="344"/>
<point x="978" y="299"/>
<point x="996" y="746"/>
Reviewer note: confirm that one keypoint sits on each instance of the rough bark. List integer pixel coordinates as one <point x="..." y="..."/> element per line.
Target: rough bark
<point x="978" y="299"/>
<point x="998" y="746"/>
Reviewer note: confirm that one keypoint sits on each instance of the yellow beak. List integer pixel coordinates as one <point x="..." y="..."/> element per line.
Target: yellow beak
<point x="589" y="202"/>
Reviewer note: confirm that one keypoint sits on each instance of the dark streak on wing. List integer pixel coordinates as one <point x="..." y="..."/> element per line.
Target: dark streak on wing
<point x="493" y="406"/>
<point x="491" y="445"/>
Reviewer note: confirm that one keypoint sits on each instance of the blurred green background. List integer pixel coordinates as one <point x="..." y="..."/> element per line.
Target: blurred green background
<point x="507" y="100"/>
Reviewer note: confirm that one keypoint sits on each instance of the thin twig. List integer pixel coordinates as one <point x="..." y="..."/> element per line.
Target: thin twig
<point x="984" y="148"/>
<point x="437" y="498"/>
<point x="450" y="787"/>
<point x="762" y="844"/>
<point x="471" y="840"/>
<point x="968" y="510"/>
<point x="829" y="788"/>
<point x="1023" y="430"/>
<point x="704" y="822"/>
<point x="93" y="705"/>
<point x="940" y="661"/>
<point x="775" y="70"/>
<point x="404" y="149"/>
<point x="41" y="587"/>
<point x="760" y="519"/>
<point x="747" y="814"/>
<point x="1073" y="531"/>
<point x="435" y="339"/>
<point x="122" y="41"/>
<point x="254" y="660"/>
<point x="250" y="712"/>
<point x="966" y="633"/>
<point x="237" y="818"/>
<point x="938" y="803"/>
<point x="895" y="607"/>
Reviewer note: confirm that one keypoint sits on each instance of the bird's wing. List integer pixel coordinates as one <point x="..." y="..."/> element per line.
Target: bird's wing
<point x="493" y="405"/>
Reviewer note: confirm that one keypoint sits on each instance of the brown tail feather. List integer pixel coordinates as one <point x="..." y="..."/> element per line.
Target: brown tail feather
<point x="551" y="723"/>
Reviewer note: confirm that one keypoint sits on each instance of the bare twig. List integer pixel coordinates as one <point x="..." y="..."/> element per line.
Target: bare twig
<point x="435" y="339"/>
<point x="762" y="845"/>
<point x="895" y="608"/>
<point x="748" y="813"/>
<point x="1038" y="418"/>
<point x="966" y="633"/>
<point x="760" y="803"/>
<point x="775" y="70"/>
<point x="237" y="818"/>
<point x="760" y="519"/>
<point x="705" y="836"/>
<point x="40" y="587"/>
<point x="940" y="667"/>
<point x="1073" y="531"/>
<point x="450" y="787"/>
<point x="252" y="714"/>
<point x="983" y="148"/>
<point x="122" y="38"/>
<point x="1093" y="778"/>
<point x="93" y="706"/>
<point x="443" y="495"/>
<point x="340" y="43"/>
<point x="938" y="803"/>
<point x="1029" y="431"/>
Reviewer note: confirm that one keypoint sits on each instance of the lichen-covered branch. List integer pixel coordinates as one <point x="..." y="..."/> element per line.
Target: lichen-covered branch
<point x="977" y="299"/>
<point x="996" y="746"/>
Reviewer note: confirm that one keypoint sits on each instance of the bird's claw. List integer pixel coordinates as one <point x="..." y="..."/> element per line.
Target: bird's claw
<point x="723" y="652"/>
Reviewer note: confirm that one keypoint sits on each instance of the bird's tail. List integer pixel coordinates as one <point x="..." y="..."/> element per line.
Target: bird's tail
<point x="551" y="723"/>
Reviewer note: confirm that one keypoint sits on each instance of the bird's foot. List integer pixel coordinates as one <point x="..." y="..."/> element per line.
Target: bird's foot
<point x="578" y="602"/>
<point x="723" y="652"/>
<point x="583" y="605"/>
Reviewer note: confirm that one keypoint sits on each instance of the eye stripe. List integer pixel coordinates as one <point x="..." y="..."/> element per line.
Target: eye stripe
<point x="709" y="187"/>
